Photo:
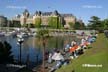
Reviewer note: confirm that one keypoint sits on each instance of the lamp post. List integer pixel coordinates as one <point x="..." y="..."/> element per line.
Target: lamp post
<point x="20" y="41"/>
<point x="43" y="54"/>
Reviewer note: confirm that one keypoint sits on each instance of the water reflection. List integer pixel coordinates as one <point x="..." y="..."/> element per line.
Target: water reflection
<point x="32" y="47"/>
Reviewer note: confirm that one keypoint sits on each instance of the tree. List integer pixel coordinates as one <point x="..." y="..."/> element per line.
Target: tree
<point x="105" y="24"/>
<point x="83" y="26"/>
<point x="13" y="24"/>
<point x="16" y="25"/>
<point x="71" y="24"/>
<point x="42" y="34"/>
<point x="25" y="25"/>
<point x="5" y="53"/>
<point x="78" y="25"/>
<point x="95" y="23"/>
<point x="31" y="25"/>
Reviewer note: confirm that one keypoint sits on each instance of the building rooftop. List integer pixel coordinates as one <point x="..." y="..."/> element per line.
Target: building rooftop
<point x="67" y="15"/>
<point x="46" y="13"/>
<point x="2" y="16"/>
<point x="40" y="13"/>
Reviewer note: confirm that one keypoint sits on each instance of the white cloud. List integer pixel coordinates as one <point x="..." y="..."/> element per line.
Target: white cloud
<point x="16" y="7"/>
<point x="92" y="6"/>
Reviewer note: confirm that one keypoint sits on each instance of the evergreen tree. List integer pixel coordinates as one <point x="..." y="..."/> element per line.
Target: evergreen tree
<point x="95" y="23"/>
<point x="105" y="24"/>
<point x="5" y="53"/>
<point x="77" y="25"/>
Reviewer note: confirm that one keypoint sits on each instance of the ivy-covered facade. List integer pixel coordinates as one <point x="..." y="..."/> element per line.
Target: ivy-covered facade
<point x="49" y="19"/>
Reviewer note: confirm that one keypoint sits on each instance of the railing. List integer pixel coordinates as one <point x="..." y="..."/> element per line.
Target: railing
<point x="18" y="66"/>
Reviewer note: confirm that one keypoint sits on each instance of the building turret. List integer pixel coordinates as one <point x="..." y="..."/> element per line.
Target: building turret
<point x="36" y="16"/>
<point x="26" y="13"/>
<point x="17" y="16"/>
<point x="38" y="13"/>
<point x="55" y="13"/>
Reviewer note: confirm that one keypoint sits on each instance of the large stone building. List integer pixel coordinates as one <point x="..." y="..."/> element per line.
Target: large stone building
<point x="27" y="18"/>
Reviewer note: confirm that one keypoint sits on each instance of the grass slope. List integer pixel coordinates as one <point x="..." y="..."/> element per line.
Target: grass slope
<point x="97" y="55"/>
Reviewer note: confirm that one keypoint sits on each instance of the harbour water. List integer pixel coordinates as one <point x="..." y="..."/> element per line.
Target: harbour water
<point x="31" y="48"/>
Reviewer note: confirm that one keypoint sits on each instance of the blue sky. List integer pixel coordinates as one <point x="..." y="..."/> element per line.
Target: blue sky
<point x="83" y="9"/>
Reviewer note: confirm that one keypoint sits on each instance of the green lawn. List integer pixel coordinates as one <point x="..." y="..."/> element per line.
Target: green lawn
<point x="97" y="55"/>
